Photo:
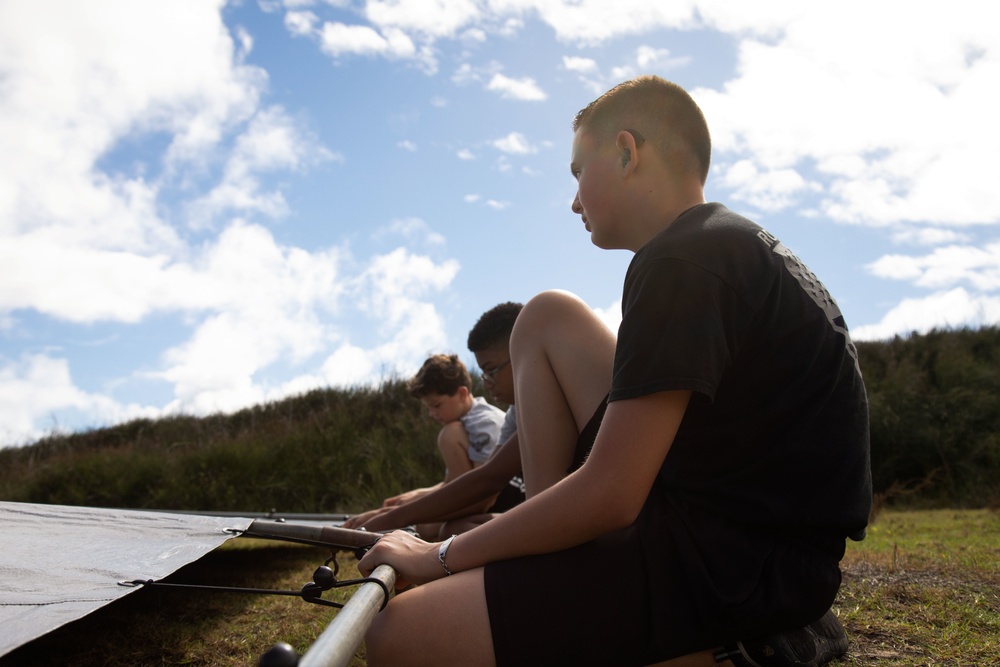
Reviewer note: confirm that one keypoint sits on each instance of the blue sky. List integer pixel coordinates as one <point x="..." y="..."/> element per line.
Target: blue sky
<point x="206" y="205"/>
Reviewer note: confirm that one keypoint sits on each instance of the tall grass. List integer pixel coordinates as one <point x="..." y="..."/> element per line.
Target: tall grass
<point x="327" y="450"/>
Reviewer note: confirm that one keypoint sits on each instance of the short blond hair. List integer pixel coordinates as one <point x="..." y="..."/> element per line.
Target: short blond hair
<point x="660" y="111"/>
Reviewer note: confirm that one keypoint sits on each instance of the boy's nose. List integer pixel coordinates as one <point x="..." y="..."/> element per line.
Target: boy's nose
<point x="576" y="204"/>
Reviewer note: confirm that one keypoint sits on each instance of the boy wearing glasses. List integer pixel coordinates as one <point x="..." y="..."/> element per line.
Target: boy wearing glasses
<point x="729" y="469"/>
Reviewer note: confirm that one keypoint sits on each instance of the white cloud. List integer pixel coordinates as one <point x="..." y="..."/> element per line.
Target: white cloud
<point x="392" y="291"/>
<point x="301" y="22"/>
<point x="941" y="310"/>
<point x="464" y="74"/>
<point x="412" y="229"/>
<point x="514" y="143"/>
<point x="770" y="191"/>
<point x="76" y="82"/>
<point x="465" y="154"/>
<point x="82" y="244"/>
<point x="497" y="205"/>
<point x="431" y="18"/>
<point x="930" y="236"/>
<point x="337" y="39"/>
<point x="407" y="145"/>
<point x="348" y="366"/>
<point x="263" y="303"/>
<point x="278" y="304"/>
<point x="648" y="57"/>
<point x="470" y="199"/>
<point x="579" y="64"/>
<point x="35" y="387"/>
<point x="474" y="35"/>
<point x="272" y="141"/>
<point x="524" y="89"/>
<point x="895" y="125"/>
<point x="590" y="22"/>
<point x="647" y="60"/>
<point x="945" y="267"/>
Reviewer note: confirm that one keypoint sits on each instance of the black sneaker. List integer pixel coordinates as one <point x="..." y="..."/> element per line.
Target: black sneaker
<point x="816" y="644"/>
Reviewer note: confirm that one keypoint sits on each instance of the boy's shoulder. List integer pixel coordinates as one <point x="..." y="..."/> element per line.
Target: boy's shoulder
<point x="481" y="410"/>
<point x="483" y="423"/>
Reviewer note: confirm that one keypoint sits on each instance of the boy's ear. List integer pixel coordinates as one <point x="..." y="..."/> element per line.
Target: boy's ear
<point x="626" y="146"/>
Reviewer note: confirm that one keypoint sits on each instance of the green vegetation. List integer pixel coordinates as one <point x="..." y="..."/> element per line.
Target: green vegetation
<point x="324" y="451"/>
<point x="935" y="422"/>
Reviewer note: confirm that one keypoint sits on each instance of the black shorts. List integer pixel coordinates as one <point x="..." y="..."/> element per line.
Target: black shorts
<point x="588" y="435"/>
<point x="605" y="603"/>
<point x="511" y="496"/>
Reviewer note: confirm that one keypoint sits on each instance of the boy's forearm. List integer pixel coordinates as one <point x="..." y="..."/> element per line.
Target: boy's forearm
<point x="606" y="493"/>
<point x="470" y="493"/>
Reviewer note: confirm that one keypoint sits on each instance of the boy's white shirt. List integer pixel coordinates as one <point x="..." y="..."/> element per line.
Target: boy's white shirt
<point x="483" y="423"/>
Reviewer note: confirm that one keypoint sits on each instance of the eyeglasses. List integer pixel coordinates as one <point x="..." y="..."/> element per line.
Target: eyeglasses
<point x="490" y="375"/>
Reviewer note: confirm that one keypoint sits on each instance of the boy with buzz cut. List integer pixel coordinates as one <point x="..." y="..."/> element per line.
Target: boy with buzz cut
<point x="729" y="462"/>
<point x="470" y="427"/>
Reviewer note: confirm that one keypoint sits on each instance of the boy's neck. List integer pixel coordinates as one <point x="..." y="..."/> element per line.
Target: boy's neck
<point x="467" y="403"/>
<point x="658" y="219"/>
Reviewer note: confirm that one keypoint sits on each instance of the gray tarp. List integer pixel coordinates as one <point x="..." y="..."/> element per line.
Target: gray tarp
<point x="59" y="563"/>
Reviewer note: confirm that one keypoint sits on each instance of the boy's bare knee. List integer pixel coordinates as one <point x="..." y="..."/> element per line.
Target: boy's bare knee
<point x="545" y="304"/>
<point x="554" y="307"/>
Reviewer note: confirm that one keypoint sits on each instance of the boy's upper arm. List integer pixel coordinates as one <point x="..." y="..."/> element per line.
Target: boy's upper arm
<point x="633" y="442"/>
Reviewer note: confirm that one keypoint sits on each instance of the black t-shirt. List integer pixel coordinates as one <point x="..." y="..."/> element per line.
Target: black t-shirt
<point x="774" y="443"/>
<point x="777" y="429"/>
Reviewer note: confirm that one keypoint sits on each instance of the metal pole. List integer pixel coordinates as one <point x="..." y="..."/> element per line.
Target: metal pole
<point x="340" y="641"/>
<point x="332" y="536"/>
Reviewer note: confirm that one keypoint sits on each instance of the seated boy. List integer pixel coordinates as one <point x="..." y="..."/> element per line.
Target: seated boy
<point x="494" y="487"/>
<point x="470" y="427"/>
<point x="729" y="467"/>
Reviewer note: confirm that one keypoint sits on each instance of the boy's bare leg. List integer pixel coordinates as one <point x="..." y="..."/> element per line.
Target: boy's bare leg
<point x="453" y="444"/>
<point x="562" y="356"/>
<point x="445" y="622"/>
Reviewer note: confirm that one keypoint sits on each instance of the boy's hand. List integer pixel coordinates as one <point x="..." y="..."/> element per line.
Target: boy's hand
<point x="359" y="520"/>
<point x="403" y="498"/>
<point x="415" y="561"/>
